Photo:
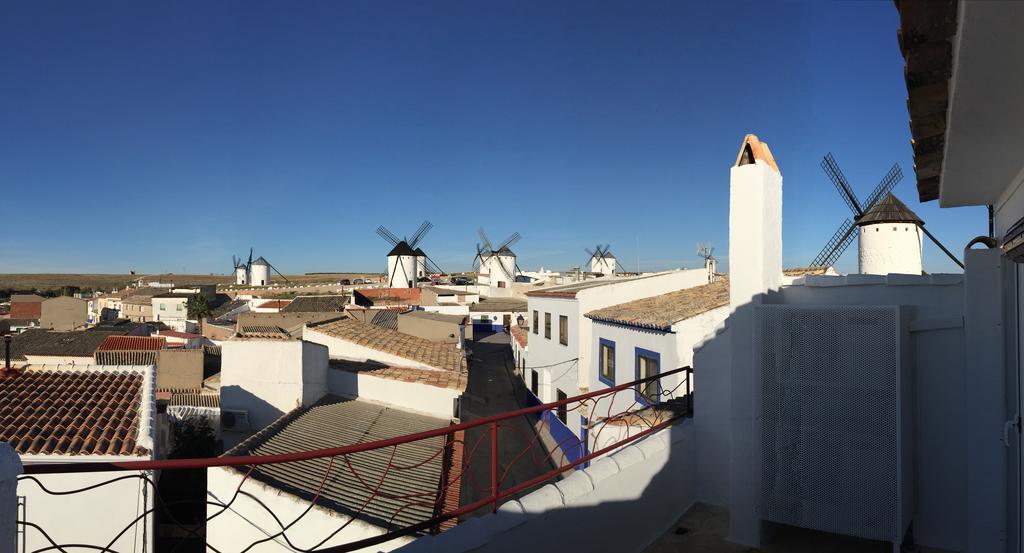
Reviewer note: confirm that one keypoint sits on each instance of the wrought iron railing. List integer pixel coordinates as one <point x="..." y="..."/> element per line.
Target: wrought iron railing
<point x="633" y="419"/>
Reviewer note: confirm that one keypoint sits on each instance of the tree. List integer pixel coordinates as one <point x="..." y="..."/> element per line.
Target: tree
<point x="198" y="307"/>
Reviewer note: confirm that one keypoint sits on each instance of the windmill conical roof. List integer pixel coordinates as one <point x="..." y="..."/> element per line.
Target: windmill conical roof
<point x="889" y="210"/>
<point x="260" y="261"/>
<point x="420" y="252"/>
<point x="505" y="250"/>
<point x="402" y="248"/>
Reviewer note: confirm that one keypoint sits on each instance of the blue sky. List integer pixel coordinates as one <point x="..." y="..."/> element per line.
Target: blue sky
<point x="166" y="137"/>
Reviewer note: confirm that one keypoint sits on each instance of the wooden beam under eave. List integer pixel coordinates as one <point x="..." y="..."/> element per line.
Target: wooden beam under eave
<point x="928" y="126"/>
<point x="928" y="99"/>
<point x="928" y="145"/>
<point x="928" y="189"/>
<point x="929" y="165"/>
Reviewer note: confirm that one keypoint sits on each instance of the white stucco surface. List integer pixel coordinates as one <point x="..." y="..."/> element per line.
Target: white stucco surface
<point x="890" y="248"/>
<point x="408" y="396"/>
<point x="268" y="378"/>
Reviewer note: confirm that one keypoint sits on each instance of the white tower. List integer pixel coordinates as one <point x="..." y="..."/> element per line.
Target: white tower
<point x="890" y="239"/>
<point x="241" y="274"/>
<point x="604" y="264"/>
<point x="402" y="266"/>
<point x="421" y="263"/>
<point x="259" y="273"/>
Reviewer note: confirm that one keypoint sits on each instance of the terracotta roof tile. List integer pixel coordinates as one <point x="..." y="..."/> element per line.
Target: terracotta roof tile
<point x="72" y="412"/>
<point x="661" y="312"/>
<point x="132" y="343"/>
<point x="435" y="354"/>
<point x="274" y="304"/>
<point x="441" y="379"/>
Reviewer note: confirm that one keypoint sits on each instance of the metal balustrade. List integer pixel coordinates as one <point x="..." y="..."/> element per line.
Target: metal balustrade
<point x="630" y="424"/>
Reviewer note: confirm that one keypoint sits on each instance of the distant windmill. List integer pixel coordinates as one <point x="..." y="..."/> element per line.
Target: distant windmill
<point x="497" y="261"/>
<point x="707" y="253"/>
<point x="404" y="259"/>
<point x="254" y="272"/>
<point x="601" y="260"/>
<point x="881" y="208"/>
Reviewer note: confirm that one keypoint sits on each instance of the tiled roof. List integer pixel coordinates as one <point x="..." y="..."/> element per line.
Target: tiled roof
<point x="226" y="307"/>
<point x="72" y="412"/>
<point x="889" y="210"/>
<point x="274" y="304"/>
<point x="441" y="379"/>
<point x="441" y="317"/>
<point x="126" y="343"/>
<point x="194" y="398"/>
<point x="804" y="271"/>
<point x="390" y="294"/>
<point x="522" y="335"/>
<point x="26" y="298"/>
<point x="135" y="357"/>
<point x="570" y="290"/>
<point x="337" y="422"/>
<point x="661" y="312"/>
<point x="434" y="354"/>
<point x="498" y="305"/>
<point x="75" y="343"/>
<point x="262" y="332"/>
<point x="385" y="318"/>
<point x="317" y="304"/>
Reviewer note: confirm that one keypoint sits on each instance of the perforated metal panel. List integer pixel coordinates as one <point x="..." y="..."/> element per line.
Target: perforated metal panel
<point x="830" y="426"/>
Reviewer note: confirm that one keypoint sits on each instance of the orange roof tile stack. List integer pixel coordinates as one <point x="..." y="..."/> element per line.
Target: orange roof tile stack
<point x="132" y="343"/>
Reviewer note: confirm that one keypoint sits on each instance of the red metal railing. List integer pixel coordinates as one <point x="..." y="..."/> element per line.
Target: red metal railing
<point x="632" y="420"/>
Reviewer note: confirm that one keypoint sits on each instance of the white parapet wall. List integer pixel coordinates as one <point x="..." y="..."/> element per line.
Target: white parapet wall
<point x="407" y="396"/>
<point x="622" y="502"/>
<point x="250" y="517"/>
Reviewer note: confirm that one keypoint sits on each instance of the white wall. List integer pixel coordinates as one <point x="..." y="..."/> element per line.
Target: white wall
<point x="246" y="521"/>
<point x="343" y="349"/>
<point x="259" y="275"/>
<point x="174" y="309"/>
<point x="93" y="517"/>
<point x="890" y="248"/>
<point x="621" y="503"/>
<point x="407" y="396"/>
<point x="269" y="378"/>
<point x="401" y="271"/>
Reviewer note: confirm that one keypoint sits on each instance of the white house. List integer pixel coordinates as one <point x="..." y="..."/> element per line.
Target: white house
<point x="644" y="337"/>
<point x="560" y="352"/>
<point x="107" y="414"/>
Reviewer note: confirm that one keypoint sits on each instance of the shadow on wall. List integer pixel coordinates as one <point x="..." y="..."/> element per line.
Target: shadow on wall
<point x="261" y="414"/>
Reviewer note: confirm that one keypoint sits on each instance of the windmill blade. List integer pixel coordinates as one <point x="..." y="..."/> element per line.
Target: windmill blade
<point x="590" y="253"/>
<point x="388" y="235"/>
<point x="483" y="238"/>
<point x="477" y="256"/>
<point x="433" y="267"/>
<point x="836" y="176"/>
<point x="510" y="240"/>
<point x="888" y="182"/>
<point x="836" y="245"/>
<point x="941" y="247"/>
<point x="279" y="273"/>
<point x="248" y="266"/>
<point x="420" y="233"/>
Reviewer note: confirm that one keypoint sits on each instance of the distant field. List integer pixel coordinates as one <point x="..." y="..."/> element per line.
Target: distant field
<point x="54" y="281"/>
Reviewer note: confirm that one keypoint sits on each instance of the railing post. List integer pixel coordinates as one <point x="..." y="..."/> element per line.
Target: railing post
<point x="10" y="469"/>
<point x="689" y="390"/>
<point x="494" y="466"/>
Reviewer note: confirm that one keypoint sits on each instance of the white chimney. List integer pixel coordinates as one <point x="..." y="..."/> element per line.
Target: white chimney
<point x="755" y="223"/>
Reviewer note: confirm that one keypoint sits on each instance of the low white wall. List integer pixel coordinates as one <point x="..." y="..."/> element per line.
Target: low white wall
<point x="408" y="396"/>
<point x="268" y="378"/>
<point x="712" y="360"/>
<point x="93" y="517"/>
<point x="621" y="503"/>
<point x="343" y="349"/>
<point x="246" y="521"/>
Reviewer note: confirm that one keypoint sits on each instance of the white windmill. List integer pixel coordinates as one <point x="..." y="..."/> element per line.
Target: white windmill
<point x="405" y="260"/>
<point x="602" y="261"/>
<point x="254" y="272"/>
<point x="497" y="264"/>
<point x="707" y="252"/>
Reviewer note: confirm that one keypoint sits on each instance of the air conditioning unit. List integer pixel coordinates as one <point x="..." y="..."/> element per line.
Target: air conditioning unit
<point x="836" y="425"/>
<point x="234" y="420"/>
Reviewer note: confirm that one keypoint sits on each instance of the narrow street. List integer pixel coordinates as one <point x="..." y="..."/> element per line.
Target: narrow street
<point x="494" y="388"/>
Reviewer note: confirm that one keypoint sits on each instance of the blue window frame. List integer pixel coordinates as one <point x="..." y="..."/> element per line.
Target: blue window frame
<point x="648" y="363"/>
<point x="606" y="361"/>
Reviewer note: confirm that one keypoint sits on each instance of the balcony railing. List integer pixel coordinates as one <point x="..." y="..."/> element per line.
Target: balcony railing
<point x="639" y="418"/>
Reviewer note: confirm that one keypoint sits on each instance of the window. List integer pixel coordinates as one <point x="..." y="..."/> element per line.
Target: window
<point x="501" y="284"/>
<point x="647" y="364"/>
<point x="177" y="307"/>
<point x="563" y="330"/>
<point x="533" y="382"/>
<point x="547" y="325"/>
<point x="536" y="322"/>
<point x="606" y="361"/>
<point x="163" y="307"/>
<point x="562" y="409"/>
